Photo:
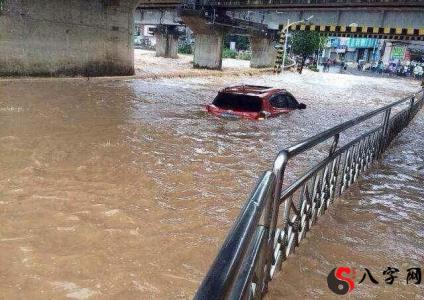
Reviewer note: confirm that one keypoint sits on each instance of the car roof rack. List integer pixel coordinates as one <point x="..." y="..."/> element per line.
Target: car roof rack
<point x="248" y="89"/>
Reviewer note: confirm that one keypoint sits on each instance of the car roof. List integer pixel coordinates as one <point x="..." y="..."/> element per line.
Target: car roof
<point x="252" y="90"/>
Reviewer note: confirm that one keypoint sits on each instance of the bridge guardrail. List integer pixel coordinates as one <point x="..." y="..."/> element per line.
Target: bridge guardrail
<point x="262" y="239"/>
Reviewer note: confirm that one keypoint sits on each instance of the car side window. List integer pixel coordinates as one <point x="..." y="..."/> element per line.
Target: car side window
<point x="279" y="101"/>
<point x="292" y="103"/>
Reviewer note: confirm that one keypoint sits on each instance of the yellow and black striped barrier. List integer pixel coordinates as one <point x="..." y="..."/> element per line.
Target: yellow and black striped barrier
<point x="406" y="34"/>
<point x="280" y="51"/>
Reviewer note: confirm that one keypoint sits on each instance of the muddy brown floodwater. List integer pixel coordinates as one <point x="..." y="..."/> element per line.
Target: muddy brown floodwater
<point x="125" y="189"/>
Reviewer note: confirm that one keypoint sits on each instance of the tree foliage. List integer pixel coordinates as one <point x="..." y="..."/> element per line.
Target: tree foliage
<point x="228" y="53"/>
<point x="185" y="47"/>
<point x="242" y="42"/>
<point x="305" y="43"/>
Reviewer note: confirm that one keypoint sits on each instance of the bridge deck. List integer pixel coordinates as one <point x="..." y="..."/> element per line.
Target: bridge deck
<point x="287" y="4"/>
<point x="314" y="4"/>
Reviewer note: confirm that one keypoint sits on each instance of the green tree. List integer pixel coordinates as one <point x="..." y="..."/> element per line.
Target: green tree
<point x="305" y="43"/>
<point x="242" y="42"/>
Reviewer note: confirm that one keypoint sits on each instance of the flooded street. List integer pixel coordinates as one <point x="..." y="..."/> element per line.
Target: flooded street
<point x="125" y="189"/>
<point x="147" y="63"/>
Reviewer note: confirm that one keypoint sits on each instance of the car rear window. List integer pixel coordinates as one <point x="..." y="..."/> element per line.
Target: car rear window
<point x="238" y="102"/>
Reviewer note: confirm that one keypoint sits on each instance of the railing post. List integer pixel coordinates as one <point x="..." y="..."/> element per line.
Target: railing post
<point x="411" y="107"/>
<point x="279" y="169"/>
<point x="334" y="145"/>
<point x="384" y="135"/>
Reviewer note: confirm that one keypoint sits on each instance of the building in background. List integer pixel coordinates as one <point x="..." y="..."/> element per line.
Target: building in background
<point x="402" y="52"/>
<point x="350" y="50"/>
<point x="368" y="50"/>
<point x="143" y="34"/>
<point x="363" y="50"/>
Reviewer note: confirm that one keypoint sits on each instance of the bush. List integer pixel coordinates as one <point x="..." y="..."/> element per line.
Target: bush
<point x="313" y="68"/>
<point x="185" y="48"/>
<point x="288" y="61"/>
<point x="242" y="42"/>
<point x="244" y="55"/>
<point x="228" y="53"/>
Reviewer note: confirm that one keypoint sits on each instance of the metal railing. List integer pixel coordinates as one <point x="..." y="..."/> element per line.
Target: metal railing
<point x="263" y="237"/>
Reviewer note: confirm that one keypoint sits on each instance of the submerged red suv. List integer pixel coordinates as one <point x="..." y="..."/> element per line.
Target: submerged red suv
<point x="253" y="102"/>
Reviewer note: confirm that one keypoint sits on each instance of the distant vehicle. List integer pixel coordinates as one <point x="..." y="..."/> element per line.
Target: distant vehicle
<point x="253" y="102"/>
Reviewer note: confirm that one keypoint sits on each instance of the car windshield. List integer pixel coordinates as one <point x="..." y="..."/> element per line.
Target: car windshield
<point x="238" y="102"/>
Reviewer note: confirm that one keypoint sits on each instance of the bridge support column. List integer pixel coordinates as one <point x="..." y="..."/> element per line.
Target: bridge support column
<point x="208" y="40"/>
<point x="166" y="41"/>
<point x="79" y="37"/>
<point x="263" y="52"/>
<point x="208" y="50"/>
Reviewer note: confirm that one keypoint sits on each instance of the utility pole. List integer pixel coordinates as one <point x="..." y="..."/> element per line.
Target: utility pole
<point x="285" y="31"/>
<point x="285" y="44"/>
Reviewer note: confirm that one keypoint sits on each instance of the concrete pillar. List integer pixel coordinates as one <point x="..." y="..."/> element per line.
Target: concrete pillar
<point x="79" y="37"/>
<point x="208" y="40"/>
<point x="263" y="52"/>
<point x="387" y="52"/>
<point x="366" y="55"/>
<point x="166" y="41"/>
<point x="208" y="50"/>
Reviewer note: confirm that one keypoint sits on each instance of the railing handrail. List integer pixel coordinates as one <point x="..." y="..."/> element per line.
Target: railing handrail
<point x="289" y="189"/>
<point x="331" y="132"/>
<point x="248" y="256"/>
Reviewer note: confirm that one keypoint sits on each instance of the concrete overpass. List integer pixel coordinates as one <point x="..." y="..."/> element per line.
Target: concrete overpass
<point x="377" y="13"/>
<point x="95" y="37"/>
<point x="284" y="4"/>
<point x="210" y="20"/>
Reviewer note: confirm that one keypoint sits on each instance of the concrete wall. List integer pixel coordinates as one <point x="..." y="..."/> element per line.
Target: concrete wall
<point x="50" y="37"/>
